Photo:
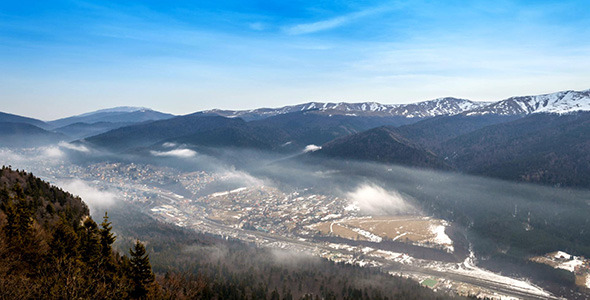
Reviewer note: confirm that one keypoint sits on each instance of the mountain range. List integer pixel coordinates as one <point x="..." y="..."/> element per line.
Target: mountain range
<point x="541" y="138"/>
<point x="431" y="108"/>
<point x="71" y="128"/>
<point x="559" y="102"/>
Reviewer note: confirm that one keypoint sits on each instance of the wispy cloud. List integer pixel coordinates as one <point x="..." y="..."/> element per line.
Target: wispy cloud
<point x="258" y="26"/>
<point x="332" y="23"/>
<point x="311" y="148"/>
<point x="95" y="198"/>
<point x="182" y="153"/>
<point x="80" y="148"/>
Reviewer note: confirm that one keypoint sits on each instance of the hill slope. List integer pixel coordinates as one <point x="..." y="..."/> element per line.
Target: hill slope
<point x="17" y="135"/>
<point x="10" y="118"/>
<point x="143" y="135"/>
<point x="545" y="148"/>
<point x="83" y="130"/>
<point x="286" y="132"/>
<point x="51" y="248"/>
<point x="383" y="144"/>
<point x="432" y="132"/>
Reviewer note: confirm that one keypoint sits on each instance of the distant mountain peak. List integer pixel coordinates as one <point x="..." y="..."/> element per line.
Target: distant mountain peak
<point x="122" y="109"/>
<point x="559" y="102"/>
<point x="121" y="114"/>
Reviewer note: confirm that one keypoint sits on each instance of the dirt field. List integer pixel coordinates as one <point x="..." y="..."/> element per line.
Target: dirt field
<point x="339" y="230"/>
<point x="226" y="217"/>
<point x="414" y="229"/>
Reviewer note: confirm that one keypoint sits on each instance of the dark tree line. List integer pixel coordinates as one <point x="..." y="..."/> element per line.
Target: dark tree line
<point x="51" y="249"/>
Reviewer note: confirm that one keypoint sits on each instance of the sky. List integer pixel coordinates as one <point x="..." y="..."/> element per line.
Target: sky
<point x="60" y="58"/>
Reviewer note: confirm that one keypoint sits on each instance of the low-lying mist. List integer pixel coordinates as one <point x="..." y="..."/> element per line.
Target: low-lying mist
<point x="373" y="200"/>
<point x="96" y="199"/>
<point x="479" y="204"/>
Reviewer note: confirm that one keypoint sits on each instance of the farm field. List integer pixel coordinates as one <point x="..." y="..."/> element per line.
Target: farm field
<point x="411" y="229"/>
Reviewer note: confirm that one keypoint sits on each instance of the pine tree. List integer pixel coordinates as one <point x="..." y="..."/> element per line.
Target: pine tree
<point x="11" y="226"/>
<point x="90" y="242"/>
<point x="107" y="238"/>
<point x="64" y="244"/>
<point x="141" y="271"/>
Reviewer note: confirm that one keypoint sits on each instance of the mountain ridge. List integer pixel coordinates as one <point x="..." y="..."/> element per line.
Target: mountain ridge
<point x="12" y="118"/>
<point x="557" y="102"/>
<point x="13" y="134"/>
<point x="429" y="108"/>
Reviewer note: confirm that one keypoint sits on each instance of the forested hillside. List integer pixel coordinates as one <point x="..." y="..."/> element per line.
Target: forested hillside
<point x="50" y="248"/>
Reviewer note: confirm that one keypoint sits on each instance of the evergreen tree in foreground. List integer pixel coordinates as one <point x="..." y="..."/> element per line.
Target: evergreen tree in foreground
<point x="140" y="271"/>
<point x="107" y="238"/>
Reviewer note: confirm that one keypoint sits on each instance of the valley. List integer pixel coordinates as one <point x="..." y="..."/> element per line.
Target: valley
<point x="441" y="192"/>
<point x="295" y="150"/>
<point x="343" y="226"/>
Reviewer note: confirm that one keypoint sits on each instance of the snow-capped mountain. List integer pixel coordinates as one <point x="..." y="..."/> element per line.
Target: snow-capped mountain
<point x="436" y="107"/>
<point x="560" y="102"/>
<point x="431" y="108"/>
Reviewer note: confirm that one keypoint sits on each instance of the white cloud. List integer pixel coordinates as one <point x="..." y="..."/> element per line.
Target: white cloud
<point x="374" y="200"/>
<point x="182" y="153"/>
<point x="306" y="28"/>
<point x="92" y="196"/>
<point x="52" y="152"/>
<point x="80" y="148"/>
<point x="311" y="148"/>
<point x="241" y="177"/>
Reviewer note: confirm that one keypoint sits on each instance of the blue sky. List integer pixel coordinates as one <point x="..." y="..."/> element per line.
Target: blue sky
<point x="59" y="58"/>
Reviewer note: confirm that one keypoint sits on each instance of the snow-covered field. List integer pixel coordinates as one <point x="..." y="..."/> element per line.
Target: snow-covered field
<point x="440" y="237"/>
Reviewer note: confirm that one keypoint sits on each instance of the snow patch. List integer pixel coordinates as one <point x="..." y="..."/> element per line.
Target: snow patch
<point x="440" y="236"/>
<point x="570" y="265"/>
<point x="331" y="216"/>
<point x="562" y="255"/>
<point x="468" y="267"/>
<point x="371" y="237"/>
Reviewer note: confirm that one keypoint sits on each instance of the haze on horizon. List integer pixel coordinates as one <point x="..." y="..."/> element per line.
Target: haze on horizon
<point x="63" y="58"/>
